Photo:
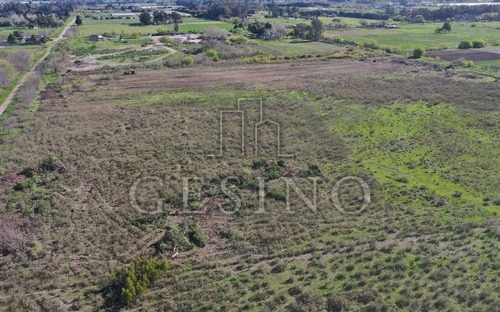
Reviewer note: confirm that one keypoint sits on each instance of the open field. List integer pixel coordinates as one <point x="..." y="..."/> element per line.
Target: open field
<point x="132" y="26"/>
<point x="476" y="55"/>
<point x="410" y="36"/>
<point x="426" y="143"/>
<point x="293" y="47"/>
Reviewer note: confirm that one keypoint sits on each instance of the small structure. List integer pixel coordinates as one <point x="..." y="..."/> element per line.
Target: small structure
<point x="123" y="15"/>
<point x="96" y="38"/>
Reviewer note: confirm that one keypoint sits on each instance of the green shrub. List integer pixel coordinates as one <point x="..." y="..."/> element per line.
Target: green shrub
<point x="277" y="194"/>
<point x="48" y="164"/>
<point x="187" y="61"/>
<point x="131" y="281"/>
<point x="476" y="44"/>
<point x="194" y="233"/>
<point x="28" y="184"/>
<point x="465" y="44"/>
<point x="418" y="53"/>
<point x="214" y="55"/>
<point x="184" y="236"/>
<point x="167" y="40"/>
<point x="467" y="63"/>
<point x="173" y="238"/>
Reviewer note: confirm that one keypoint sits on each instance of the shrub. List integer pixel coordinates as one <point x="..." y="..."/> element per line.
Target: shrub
<point x="194" y="233"/>
<point x="131" y="281"/>
<point x="478" y="44"/>
<point x="167" y="40"/>
<point x="214" y="55"/>
<point x="187" y="61"/>
<point x="418" y="53"/>
<point x="48" y="164"/>
<point x="467" y="63"/>
<point x="173" y="238"/>
<point x="465" y="44"/>
<point x="184" y="236"/>
<point x="277" y="194"/>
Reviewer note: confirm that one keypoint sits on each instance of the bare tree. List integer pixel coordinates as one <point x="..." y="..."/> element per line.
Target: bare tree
<point x="215" y="33"/>
<point x="277" y="31"/>
<point x="19" y="59"/>
<point x="12" y="239"/>
<point x="29" y="91"/>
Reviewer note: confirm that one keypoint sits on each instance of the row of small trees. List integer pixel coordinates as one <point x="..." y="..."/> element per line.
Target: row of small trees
<point x="475" y="44"/>
<point x="276" y="31"/>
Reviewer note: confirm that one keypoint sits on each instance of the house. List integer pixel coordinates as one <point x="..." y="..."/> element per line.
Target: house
<point x="123" y="15"/>
<point x="96" y="38"/>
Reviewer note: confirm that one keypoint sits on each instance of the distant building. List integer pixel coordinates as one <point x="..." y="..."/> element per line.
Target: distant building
<point x="123" y="15"/>
<point x="96" y="38"/>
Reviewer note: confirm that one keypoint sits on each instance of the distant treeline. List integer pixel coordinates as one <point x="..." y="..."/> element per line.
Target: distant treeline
<point x="459" y="12"/>
<point x="35" y="14"/>
<point x="228" y="9"/>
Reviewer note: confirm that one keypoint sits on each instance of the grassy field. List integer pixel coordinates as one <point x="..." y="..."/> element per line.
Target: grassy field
<point x="426" y="144"/>
<point x="131" y="26"/>
<point x="297" y="46"/>
<point x="410" y="36"/>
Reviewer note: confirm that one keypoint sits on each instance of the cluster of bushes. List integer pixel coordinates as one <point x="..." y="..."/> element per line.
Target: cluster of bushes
<point x="475" y="44"/>
<point x="183" y="236"/>
<point x="352" y="53"/>
<point x="369" y="44"/>
<point x="131" y="281"/>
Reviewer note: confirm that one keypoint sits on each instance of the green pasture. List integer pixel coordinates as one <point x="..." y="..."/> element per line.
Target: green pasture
<point x="410" y="36"/>
<point x="132" y="26"/>
<point x="297" y="46"/>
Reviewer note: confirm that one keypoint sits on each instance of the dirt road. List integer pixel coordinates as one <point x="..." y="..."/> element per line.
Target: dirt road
<point x="21" y="82"/>
<point x="185" y="77"/>
<point x="91" y="62"/>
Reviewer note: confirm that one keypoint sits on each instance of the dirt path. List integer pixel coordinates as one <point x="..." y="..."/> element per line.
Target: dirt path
<point x="263" y="73"/>
<point x="92" y="60"/>
<point x="21" y="82"/>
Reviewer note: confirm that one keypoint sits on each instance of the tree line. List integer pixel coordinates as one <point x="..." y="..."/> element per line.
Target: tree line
<point x="32" y="14"/>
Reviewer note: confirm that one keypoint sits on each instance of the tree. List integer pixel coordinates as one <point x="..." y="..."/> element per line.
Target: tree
<point x="465" y="44"/>
<point x="445" y="28"/>
<point x="78" y="20"/>
<point x="11" y="39"/>
<point x="176" y="27"/>
<point x="145" y="18"/>
<point x="317" y="30"/>
<point x="478" y="44"/>
<point x="277" y="31"/>
<point x="418" y="53"/>
<point x="215" y="33"/>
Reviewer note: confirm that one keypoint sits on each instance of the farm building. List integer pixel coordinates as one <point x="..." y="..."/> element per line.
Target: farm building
<point x="96" y="38"/>
<point x="123" y="15"/>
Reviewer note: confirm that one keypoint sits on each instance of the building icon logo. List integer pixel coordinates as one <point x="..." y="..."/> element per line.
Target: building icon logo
<point x="258" y="126"/>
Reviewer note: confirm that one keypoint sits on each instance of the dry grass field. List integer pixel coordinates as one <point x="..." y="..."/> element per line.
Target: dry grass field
<point x="426" y="143"/>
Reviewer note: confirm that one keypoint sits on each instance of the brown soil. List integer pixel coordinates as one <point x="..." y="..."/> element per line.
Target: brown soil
<point x="469" y="55"/>
<point x="185" y="77"/>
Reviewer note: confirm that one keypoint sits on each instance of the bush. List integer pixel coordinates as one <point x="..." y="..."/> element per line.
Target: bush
<point x="213" y="54"/>
<point x="131" y="281"/>
<point x="187" y="61"/>
<point x="194" y="233"/>
<point x="476" y="44"/>
<point x="167" y="40"/>
<point x="467" y="63"/>
<point x="418" y="53"/>
<point x="465" y="44"/>
<point x="277" y="194"/>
